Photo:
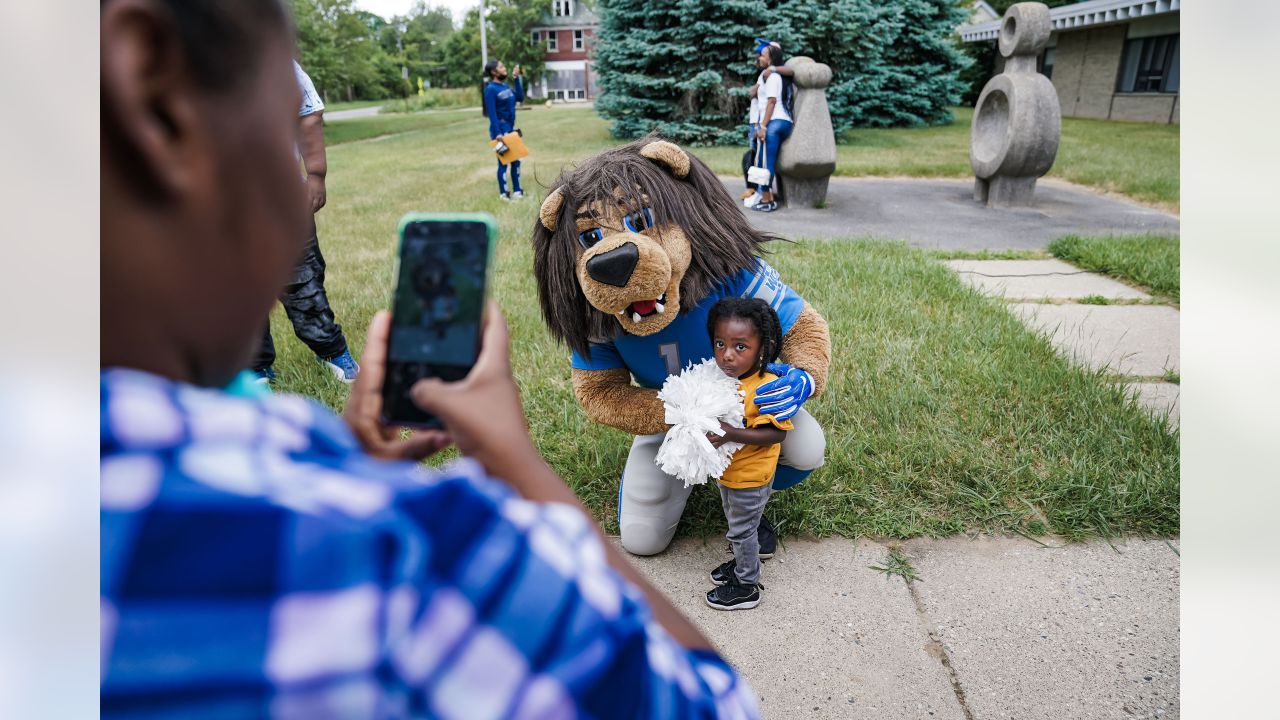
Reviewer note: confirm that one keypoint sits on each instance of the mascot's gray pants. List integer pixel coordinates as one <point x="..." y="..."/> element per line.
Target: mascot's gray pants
<point x="651" y="501"/>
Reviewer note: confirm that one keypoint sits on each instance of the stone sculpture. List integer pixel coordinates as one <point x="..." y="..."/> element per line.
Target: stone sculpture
<point x="807" y="159"/>
<point x="1017" y="121"/>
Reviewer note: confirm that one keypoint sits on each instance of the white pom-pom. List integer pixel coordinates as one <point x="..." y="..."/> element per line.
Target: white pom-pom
<point x="696" y="401"/>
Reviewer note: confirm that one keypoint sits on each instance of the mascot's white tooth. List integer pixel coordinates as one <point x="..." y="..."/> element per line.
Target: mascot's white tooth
<point x="660" y="308"/>
<point x="636" y="317"/>
<point x="623" y="311"/>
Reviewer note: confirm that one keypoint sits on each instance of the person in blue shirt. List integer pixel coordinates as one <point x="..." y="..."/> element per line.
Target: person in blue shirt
<point x="264" y="557"/>
<point x="500" y="107"/>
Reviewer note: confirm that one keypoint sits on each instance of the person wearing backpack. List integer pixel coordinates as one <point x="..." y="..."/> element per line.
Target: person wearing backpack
<point x="777" y="100"/>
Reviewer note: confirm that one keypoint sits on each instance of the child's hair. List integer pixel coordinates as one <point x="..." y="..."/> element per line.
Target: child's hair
<point x="761" y="315"/>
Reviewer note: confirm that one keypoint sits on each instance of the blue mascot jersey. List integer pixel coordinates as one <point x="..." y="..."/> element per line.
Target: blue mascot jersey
<point x="653" y="357"/>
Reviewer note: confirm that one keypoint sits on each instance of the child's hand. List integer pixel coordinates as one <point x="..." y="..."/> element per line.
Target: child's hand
<point x="718" y="440"/>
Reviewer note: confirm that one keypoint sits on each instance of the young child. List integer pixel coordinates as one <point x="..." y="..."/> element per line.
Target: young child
<point x="746" y="336"/>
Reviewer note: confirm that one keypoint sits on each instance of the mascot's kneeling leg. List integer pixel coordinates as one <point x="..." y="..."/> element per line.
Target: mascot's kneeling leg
<point x="650" y="502"/>
<point x="802" y="451"/>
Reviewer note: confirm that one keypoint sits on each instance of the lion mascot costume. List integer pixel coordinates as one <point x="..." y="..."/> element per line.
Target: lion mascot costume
<point x="631" y="249"/>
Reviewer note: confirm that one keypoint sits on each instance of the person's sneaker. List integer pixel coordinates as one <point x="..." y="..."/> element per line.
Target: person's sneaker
<point x="265" y="376"/>
<point x="342" y="366"/>
<point x="504" y="197"/>
<point x="734" y="596"/>
<point x="766" y="206"/>
<point x="724" y="572"/>
<point x="767" y="537"/>
<point x="751" y="200"/>
<point x="517" y="195"/>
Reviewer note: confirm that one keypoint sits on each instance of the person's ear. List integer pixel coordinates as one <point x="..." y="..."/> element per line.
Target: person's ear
<point x="148" y="108"/>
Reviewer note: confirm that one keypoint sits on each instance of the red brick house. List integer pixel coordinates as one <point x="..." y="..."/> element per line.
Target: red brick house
<point x="567" y="30"/>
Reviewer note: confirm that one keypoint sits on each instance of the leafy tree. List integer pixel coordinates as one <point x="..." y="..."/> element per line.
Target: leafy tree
<point x="462" y="53"/>
<point x="510" y="25"/>
<point x="340" y="50"/>
<point x="427" y="30"/>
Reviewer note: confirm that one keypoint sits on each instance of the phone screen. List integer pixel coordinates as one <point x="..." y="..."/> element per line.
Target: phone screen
<point x="436" y="311"/>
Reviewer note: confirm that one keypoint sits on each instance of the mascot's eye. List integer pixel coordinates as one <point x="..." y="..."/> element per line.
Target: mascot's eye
<point x="587" y="238"/>
<point x="639" y="220"/>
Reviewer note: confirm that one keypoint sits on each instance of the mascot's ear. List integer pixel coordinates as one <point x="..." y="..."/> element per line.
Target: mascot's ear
<point x="668" y="154"/>
<point x="551" y="209"/>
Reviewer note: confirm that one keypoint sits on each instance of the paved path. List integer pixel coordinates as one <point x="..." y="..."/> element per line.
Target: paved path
<point x="942" y="214"/>
<point x="352" y="114"/>
<point x="1137" y="341"/>
<point x="994" y="628"/>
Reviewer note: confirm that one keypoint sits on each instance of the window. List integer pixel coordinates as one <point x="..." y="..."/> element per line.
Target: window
<point x="564" y="8"/>
<point x="551" y="41"/>
<point x="577" y="39"/>
<point x="1150" y="65"/>
<point x="537" y="38"/>
<point x="1046" y="62"/>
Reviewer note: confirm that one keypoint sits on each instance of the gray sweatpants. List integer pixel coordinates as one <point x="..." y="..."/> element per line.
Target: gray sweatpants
<point x="651" y="501"/>
<point x="743" y="508"/>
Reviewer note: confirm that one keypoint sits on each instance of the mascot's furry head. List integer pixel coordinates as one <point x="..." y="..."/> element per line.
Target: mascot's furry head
<point x="631" y="237"/>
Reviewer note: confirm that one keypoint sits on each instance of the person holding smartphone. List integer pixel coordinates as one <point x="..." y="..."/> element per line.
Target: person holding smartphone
<point x="262" y="556"/>
<point x="500" y="107"/>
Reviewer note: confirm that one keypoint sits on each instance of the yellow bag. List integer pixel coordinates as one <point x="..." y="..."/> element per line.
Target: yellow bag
<point x="515" y="147"/>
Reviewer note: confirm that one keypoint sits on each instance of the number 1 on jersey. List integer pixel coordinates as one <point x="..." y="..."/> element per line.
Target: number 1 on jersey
<point x="670" y="353"/>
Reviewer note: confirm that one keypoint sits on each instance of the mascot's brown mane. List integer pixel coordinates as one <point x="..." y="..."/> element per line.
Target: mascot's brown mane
<point x="721" y="240"/>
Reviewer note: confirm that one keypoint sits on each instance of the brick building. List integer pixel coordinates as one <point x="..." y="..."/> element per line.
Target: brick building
<point x="1111" y="59"/>
<point x="567" y="30"/>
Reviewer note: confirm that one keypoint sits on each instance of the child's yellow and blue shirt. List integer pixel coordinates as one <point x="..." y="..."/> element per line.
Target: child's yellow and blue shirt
<point x="753" y="465"/>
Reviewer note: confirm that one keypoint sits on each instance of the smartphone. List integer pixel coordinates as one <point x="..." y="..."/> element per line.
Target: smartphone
<point x="442" y="272"/>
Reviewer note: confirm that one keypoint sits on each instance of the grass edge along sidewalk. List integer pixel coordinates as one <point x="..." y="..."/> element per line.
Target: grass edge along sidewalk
<point x="1151" y="261"/>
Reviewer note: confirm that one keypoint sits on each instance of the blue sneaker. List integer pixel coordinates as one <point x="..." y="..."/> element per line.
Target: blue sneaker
<point x="342" y="366"/>
<point x="265" y="376"/>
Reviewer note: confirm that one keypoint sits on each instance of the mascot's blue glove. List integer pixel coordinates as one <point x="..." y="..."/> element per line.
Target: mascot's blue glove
<point x="783" y="397"/>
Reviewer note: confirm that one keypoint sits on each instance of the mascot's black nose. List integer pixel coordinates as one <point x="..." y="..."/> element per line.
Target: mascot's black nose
<point x="614" y="267"/>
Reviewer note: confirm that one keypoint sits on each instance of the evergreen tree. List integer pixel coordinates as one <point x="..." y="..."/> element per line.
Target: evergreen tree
<point x="676" y="66"/>
<point x="683" y="67"/>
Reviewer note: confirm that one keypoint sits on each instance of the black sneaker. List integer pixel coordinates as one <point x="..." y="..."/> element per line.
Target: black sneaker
<point x="734" y="596"/>
<point x="724" y="573"/>
<point x="767" y="538"/>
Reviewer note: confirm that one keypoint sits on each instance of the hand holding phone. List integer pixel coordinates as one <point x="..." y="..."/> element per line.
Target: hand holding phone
<point x="364" y="407"/>
<point x="441" y="286"/>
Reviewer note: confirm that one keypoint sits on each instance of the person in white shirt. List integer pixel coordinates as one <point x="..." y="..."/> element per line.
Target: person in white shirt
<point x="775" y="100"/>
<point x="751" y="195"/>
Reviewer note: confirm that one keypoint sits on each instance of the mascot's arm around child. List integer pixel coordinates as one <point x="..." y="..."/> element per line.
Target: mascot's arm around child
<point x="630" y="250"/>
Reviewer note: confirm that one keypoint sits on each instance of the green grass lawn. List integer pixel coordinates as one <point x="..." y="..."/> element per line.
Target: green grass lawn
<point x="942" y="414"/>
<point x="1150" y="260"/>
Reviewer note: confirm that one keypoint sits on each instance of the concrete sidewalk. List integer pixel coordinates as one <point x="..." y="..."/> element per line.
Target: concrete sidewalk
<point x="1139" y="343"/>
<point x="942" y="214"/>
<point x="994" y="628"/>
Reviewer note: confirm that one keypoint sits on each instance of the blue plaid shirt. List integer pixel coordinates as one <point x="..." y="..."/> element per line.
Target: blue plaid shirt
<point x="256" y="563"/>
